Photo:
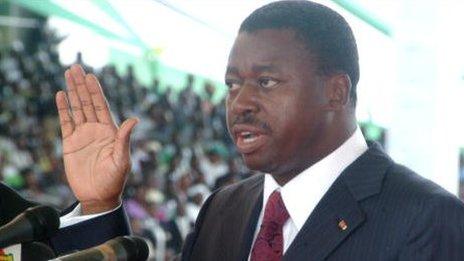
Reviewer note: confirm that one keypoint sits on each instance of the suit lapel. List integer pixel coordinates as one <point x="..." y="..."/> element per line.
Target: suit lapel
<point x="339" y="213"/>
<point x="246" y="240"/>
<point x="325" y="228"/>
<point x="240" y="220"/>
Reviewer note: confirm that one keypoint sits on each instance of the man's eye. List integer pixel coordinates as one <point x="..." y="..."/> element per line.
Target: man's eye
<point x="267" y="82"/>
<point x="233" y="85"/>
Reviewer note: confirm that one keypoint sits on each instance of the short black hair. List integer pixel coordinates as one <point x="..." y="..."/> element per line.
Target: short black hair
<point x="325" y="32"/>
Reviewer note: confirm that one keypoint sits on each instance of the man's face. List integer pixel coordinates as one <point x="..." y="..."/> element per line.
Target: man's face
<point x="275" y="104"/>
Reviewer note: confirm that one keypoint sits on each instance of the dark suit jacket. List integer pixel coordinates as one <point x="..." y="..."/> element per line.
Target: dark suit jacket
<point x="76" y="237"/>
<point x="391" y="214"/>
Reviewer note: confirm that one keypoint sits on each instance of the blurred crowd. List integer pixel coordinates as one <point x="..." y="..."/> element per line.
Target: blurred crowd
<point x="181" y="151"/>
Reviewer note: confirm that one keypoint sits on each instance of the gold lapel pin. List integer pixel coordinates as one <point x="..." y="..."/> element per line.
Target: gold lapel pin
<point x="342" y="225"/>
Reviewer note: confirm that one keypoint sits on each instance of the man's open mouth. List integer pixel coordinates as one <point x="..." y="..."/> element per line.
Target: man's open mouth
<point x="248" y="138"/>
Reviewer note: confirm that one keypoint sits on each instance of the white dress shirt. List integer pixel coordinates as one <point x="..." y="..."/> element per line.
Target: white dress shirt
<point x="303" y="192"/>
<point x="75" y="216"/>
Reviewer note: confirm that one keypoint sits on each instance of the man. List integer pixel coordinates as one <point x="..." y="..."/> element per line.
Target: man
<point x="96" y="159"/>
<point x="328" y="195"/>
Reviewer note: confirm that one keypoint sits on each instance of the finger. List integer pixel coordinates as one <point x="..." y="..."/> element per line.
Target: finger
<point x="99" y="102"/>
<point x="66" y="121"/>
<point x="78" y="76"/>
<point x="122" y="142"/>
<point x="73" y="98"/>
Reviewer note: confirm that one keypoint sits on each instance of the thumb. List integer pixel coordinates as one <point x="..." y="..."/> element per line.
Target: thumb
<point x="122" y="142"/>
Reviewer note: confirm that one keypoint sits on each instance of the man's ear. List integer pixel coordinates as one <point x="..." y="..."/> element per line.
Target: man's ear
<point x="337" y="90"/>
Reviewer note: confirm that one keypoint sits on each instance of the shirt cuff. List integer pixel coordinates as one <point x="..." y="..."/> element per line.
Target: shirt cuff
<point x="75" y="216"/>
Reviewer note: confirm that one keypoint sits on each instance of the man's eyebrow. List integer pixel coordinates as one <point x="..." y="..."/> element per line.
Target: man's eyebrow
<point x="263" y="68"/>
<point x="231" y="70"/>
<point x="258" y="68"/>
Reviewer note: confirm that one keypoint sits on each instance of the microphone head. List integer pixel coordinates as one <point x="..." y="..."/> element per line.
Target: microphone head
<point x="36" y="251"/>
<point x="141" y="247"/>
<point x="136" y="248"/>
<point x="45" y="221"/>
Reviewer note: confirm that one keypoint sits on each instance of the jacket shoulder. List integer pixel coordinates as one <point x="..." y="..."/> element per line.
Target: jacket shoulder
<point x="417" y="196"/>
<point x="433" y="217"/>
<point x="406" y="182"/>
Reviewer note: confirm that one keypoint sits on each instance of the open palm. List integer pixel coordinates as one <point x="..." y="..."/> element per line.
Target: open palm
<point x="96" y="152"/>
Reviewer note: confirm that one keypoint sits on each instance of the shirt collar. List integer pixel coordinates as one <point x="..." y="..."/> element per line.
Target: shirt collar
<point x="303" y="192"/>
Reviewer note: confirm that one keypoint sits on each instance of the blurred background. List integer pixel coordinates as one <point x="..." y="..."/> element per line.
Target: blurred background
<point x="164" y="60"/>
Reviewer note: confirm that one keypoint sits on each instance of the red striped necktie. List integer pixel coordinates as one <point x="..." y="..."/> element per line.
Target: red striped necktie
<point x="269" y="243"/>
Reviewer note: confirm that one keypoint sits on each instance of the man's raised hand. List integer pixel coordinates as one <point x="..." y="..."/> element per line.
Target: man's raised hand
<point x="96" y="152"/>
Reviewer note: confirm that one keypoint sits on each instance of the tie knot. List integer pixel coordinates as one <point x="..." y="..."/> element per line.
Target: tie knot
<point x="275" y="211"/>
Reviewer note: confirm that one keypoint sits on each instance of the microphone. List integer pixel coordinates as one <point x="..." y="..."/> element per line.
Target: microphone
<point x="124" y="248"/>
<point x="34" y="224"/>
<point x="36" y="251"/>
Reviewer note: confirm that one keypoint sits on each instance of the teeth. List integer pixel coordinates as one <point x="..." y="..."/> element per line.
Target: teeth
<point x="248" y="136"/>
<point x="249" y="139"/>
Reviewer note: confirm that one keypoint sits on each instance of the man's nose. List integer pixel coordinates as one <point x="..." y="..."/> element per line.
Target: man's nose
<point x="246" y="100"/>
